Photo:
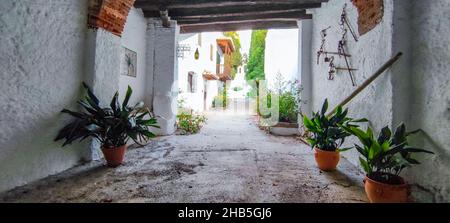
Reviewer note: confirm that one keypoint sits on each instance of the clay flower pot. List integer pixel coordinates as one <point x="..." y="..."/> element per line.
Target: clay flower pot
<point x="385" y="193"/>
<point x="326" y="160"/>
<point x="114" y="156"/>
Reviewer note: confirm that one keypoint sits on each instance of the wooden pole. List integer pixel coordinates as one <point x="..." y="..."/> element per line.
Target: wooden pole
<point x="366" y="83"/>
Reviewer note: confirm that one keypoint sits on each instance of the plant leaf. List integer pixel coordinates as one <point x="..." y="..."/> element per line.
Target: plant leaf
<point x="127" y="97"/>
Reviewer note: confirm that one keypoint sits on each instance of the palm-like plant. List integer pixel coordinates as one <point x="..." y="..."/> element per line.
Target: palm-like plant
<point x="325" y="132"/>
<point x="113" y="126"/>
<point x="384" y="158"/>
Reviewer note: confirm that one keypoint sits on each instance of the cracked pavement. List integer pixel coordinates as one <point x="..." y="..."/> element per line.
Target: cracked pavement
<point x="230" y="160"/>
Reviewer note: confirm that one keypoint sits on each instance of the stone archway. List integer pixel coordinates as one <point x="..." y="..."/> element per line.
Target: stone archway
<point x="110" y="15"/>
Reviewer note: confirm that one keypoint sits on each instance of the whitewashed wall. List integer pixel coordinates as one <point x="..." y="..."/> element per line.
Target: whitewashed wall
<point x="430" y="93"/>
<point x="415" y="91"/>
<point x="41" y="70"/>
<point x="368" y="54"/>
<point x="195" y="100"/>
<point x="281" y="55"/>
<point x="134" y="38"/>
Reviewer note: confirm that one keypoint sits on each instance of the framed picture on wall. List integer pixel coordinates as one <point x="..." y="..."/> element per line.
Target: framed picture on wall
<point x="129" y="63"/>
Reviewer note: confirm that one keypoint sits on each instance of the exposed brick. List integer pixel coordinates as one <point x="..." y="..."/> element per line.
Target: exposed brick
<point x="370" y="14"/>
<point x="110" y="15"/>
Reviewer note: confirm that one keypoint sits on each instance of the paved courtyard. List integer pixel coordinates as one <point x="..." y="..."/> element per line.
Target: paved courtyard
<point x="230" y="160"/>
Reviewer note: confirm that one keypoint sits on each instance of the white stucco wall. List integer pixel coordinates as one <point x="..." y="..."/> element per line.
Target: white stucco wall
<point x="164" y="67"/>
<point x="414" y="91"/>
<point x="134" y="38"/>
<point x="281" y="55"/>
<point x="368" y="54"/>
<point x="430" y="101"/>
<point x="41" y="69"/>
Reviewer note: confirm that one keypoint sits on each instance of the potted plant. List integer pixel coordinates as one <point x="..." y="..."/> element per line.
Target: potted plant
<point x="326" y="135"/>
<point x="383" y="159"/>
<point x="112" y="126"/>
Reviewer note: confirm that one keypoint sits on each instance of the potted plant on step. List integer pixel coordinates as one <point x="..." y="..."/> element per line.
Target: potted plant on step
<point x="326" y="136"/>
<point x="112" y="126"/>
<point x="383" y="159"/>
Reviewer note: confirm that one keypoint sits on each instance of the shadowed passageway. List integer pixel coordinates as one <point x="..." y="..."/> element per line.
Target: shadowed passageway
<point x="230" y="160"/>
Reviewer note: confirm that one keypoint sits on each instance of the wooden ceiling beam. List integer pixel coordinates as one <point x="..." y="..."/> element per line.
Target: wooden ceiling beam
<point x="232" y="11"/>
<point x="183" y="4"/>
<point x="257" y="17"/>
<point x="235" y="26"/>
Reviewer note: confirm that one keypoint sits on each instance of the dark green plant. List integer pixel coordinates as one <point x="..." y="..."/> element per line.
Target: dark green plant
<point x="384" y="158"/>
<point x="113" y="126"/>
<point x="189" y="123"/>
<point x="326" y="132"/>
<point x="288" y="108"/>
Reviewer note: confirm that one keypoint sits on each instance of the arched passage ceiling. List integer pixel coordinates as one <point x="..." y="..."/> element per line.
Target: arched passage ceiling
<point x="221" y="15"/>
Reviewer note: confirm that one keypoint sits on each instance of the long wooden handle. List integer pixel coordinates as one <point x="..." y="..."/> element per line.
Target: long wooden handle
<point x="366" y="83"/>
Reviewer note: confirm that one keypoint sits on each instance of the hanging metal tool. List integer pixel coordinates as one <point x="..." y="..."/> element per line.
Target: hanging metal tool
<point x="343" y="42"/>
<point x="323" y="35"/>
<point x="345" y="22"/>
<point x="332" y="69"/>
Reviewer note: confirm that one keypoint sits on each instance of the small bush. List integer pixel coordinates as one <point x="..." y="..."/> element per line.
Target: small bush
<point x="289" y="108"/>
<point x="189" y="123"/>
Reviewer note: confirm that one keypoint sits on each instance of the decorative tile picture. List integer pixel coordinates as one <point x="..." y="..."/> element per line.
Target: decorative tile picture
<point x="129" y="63"/>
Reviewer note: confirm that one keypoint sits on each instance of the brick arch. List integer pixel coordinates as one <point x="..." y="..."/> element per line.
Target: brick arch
<point x="110" y="15"/>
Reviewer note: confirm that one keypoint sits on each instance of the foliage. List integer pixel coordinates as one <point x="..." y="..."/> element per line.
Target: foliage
<point x="254" y="70"/>
<point x="288" y="108"/>
<point x="288" y="99"/>
<point x="255" y="66"/>
<point x="239" y="88"/>
<point x="384" y="158"/>
<point x="236" y="56"/>
<point x="189" y="123"/>
<point x="113" y="126"/>
<point x="221" y="99"/>
<point x="327" y="133"/>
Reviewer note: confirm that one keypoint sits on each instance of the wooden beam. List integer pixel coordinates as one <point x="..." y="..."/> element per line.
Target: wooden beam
<point x="183" y="4"/>
<point x="235" y="26"/>
<point x="258" y="17"/>
<point x="230" y="10"/>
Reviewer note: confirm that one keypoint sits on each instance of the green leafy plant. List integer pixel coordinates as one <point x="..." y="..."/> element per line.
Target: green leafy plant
<point x="288" y="99"/>
<point x="326" y="132"/>
<point x="189" y="123"/>
<point x="288" y="108"/>
<point x="113" y="126"/>
<point x="384" y="158"/>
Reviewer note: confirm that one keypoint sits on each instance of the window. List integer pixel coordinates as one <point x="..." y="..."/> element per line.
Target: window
<point x="192" y="82"/>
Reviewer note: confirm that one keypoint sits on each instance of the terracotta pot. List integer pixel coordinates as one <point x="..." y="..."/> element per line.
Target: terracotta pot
<point x="114" y="156"/>
<point x="385" y="193"/>
<point x="327" y="161"/>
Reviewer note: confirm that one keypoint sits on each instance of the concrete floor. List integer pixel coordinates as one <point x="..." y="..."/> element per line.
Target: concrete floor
<point x="231" y="160"/>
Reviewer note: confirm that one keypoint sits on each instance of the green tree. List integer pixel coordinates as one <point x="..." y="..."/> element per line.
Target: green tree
<point x="236" y="56"/>
<point x="254" y="70"/>
<point x="255" y="65"/>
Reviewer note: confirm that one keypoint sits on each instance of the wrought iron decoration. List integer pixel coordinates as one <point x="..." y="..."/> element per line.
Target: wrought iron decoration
<point x="345" y="26"/>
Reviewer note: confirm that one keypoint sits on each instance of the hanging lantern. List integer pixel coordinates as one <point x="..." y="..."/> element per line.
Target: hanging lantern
<point x="197" y="54"/>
